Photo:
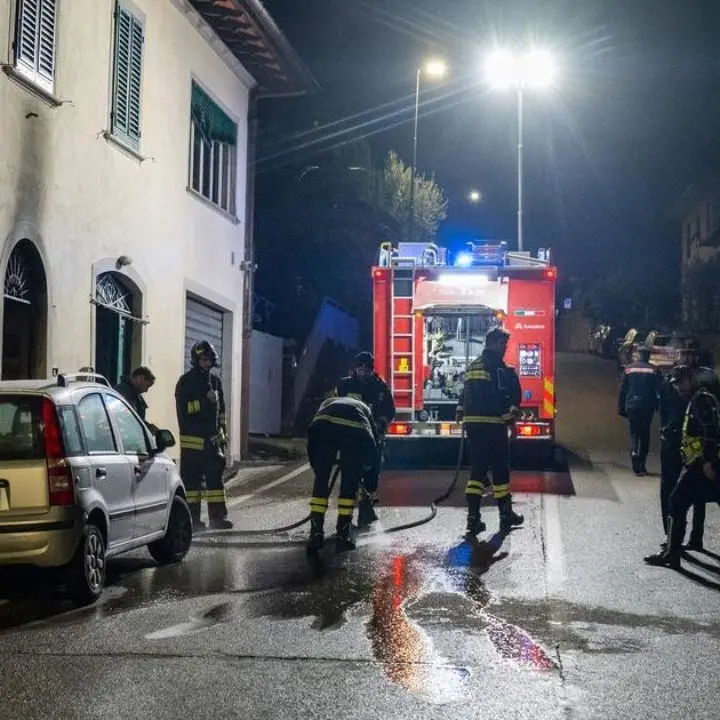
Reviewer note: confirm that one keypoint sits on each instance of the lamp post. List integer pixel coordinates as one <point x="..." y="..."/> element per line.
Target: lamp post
<point x="533" y="69"/>
<point x="475" y="196"/>
<point x="435" y="69"/>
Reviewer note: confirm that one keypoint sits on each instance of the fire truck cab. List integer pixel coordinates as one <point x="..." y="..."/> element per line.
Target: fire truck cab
<point x="431" y="317"/>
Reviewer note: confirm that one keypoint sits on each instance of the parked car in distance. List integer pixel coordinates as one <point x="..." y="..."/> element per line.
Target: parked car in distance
<point x="611" y="342"/>
<point x="595" y="339"/>
<point x="82" y="479"/>
<point x="666" y="348"/>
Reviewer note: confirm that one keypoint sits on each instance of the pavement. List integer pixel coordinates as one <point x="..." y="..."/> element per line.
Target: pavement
<point x="559" y="619"/>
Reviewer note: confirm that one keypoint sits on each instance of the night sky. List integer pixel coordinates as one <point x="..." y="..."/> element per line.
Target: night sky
<point x="635" y="116"/>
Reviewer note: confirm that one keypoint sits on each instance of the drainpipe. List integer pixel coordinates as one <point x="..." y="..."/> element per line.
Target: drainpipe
<point x="248" y="267"/>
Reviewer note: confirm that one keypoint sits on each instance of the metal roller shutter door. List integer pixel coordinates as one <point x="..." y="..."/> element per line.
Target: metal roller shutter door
<point x="203" y="322"/>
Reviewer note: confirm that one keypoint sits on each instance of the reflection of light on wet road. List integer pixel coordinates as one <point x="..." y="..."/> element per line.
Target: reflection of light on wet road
<point x="404" y="650"/>
<point x="214" y="616"/>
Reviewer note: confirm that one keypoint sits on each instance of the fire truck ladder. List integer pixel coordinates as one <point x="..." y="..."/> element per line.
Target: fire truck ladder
<point x="402" y="340"/>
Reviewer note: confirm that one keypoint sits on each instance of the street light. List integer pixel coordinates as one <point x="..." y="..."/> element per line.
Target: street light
<point x="475" y="196"/>
<point x="435" y="68"/>
<point x="535" y="68"/>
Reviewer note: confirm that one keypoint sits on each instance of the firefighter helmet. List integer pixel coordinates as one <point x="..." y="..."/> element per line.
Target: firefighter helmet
<point x="497" y="335"/>
<point x="365" y="359"/>
<point x="203" y="348"/>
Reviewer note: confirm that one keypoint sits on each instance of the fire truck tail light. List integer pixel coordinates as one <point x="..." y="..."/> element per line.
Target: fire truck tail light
<point x="398" y="428"/>
<point x="551" y="273"/>
<point x="532" y="430"/>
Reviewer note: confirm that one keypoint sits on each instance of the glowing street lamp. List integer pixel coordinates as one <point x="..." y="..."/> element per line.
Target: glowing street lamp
<point x="435" y="68"/>
<point x="534" y="69"/>
<point x="475" y="196"/>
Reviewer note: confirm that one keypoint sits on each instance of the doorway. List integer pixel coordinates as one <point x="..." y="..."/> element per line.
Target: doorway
<point x="118" y="326"/>
<point x="24" y="345"/>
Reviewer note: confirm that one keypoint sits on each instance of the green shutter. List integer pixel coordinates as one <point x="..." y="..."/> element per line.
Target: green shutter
<point x="127" y="83"/>
<point x="210" y="120"/>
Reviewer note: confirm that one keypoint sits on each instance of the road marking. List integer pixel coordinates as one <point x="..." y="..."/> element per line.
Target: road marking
<point x="245" y="475"/>
<point x="285" y="478"/>
<point x="554" y="553"/>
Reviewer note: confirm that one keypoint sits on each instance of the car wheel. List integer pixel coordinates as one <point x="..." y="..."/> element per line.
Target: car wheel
<point x="87" y="569"/>
<point x="178" y="538"/>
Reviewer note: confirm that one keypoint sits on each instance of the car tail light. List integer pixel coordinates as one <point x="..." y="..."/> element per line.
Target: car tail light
<point x="398" y="428"/>
<point x="60" y="482"/>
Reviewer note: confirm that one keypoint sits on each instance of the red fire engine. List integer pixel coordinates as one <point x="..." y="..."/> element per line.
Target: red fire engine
<point x="430" y="321"/>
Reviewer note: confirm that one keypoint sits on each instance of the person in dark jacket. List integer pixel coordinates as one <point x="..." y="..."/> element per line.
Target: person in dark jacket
<point x="700" y="481"/>
<point x="491" y="401"/>
<point x="341" y="425"/>
<point x="200" y="403"/>
<point x="638" y="400"/>
<point x="675" y="394"/>
<point x="133" y="388"/>
<point x="366" y="385"/>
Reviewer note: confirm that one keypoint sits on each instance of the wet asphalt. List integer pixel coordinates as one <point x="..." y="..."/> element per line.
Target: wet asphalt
<point x="558" y="619"/>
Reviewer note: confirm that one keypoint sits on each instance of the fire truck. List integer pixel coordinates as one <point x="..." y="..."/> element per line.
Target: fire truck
<point x="430" y="320"/>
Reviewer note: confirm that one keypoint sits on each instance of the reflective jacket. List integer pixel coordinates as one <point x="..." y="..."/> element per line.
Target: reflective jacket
<point x="640" y="389"/>
<point x="373" y="391"/>
<point x="491" y="389"/>
<point x="348" y="413"/>
<point x="202" y="423"/>
<point x="701" y="428"/>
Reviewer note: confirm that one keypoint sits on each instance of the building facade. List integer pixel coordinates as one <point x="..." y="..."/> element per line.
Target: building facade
<point x="124" y="213"/>
<point x="698" y="213"/>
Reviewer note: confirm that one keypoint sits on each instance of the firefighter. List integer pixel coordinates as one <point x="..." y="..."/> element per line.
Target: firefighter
<point x="491" y="400"/>
<point x="341" y="425"/>
<point x="366" y="385"/>
<point x="201" y="416"/>
<point x="133" y="388"/>
<point x="700" y="440"/>
<point x="675" y="394"/>
<point x="638" y="400"/>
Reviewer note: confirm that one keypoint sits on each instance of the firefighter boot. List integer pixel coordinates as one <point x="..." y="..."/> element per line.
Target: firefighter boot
<point x="344" y="541"/>
<point x="474" y="524"/>
<point x="669" y="556"/>
<point x="508" y="517"/>
<point x="366" y="512"/>
<point x="315" y="541"/>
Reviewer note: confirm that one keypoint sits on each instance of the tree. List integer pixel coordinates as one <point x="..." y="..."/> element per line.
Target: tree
<point x="430" y="201"/>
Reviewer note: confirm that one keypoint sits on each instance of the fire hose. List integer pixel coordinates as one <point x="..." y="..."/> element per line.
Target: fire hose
<point x="406" y="526"/>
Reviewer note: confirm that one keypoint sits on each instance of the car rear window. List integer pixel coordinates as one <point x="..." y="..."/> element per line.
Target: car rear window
<point x="21" y="428"/>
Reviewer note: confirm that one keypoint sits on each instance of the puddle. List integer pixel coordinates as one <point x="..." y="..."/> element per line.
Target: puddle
<point x="214" y="616"/>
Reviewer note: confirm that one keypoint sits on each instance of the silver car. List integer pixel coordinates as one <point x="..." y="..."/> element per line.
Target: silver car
<point x="82" y="479"/>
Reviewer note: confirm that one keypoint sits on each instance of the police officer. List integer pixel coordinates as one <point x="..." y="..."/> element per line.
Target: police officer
<point x="345" y="426"/>
<point x="133" y="388"/>
<point x="201" y="416"/>
<point x="700" y="440"/>
<point x="491" y="399"/>
<point x="366" y="385"/>
<point x="638" y="401"/>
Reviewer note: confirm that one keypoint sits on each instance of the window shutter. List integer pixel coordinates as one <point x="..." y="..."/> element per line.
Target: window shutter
<point x="128" y="77"/>
<point x="46" y="43"/>
<point x="28" y="22"/>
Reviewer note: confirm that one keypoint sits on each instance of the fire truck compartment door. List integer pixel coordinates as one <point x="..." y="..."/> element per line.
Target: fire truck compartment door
<point x="465" y="294"/>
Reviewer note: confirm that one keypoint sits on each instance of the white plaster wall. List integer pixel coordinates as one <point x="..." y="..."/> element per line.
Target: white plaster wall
<point x="84" y="201"/>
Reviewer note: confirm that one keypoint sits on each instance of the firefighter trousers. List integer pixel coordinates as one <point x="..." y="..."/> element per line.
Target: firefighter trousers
<point x="692" y="488"/>
<point x="371" y="477"/>
<point x="489" y="449"/>
<point x="640" y="422"/>
<point x="206" y="465"/>
<point x="671" y="467"/>
<point x="325" y="441"/>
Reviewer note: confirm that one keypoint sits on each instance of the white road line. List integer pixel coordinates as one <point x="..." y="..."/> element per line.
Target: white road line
<point x="554" y="551"/>
<point x="244" y="498"/>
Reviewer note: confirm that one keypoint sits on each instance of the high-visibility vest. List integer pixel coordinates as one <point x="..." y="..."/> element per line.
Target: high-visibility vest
<point x="691" y="446"/>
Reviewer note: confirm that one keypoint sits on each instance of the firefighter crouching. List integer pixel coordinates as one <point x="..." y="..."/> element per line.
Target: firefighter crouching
<point x="201" y="416"/>
<point x="345" y="426"/>
<point x="366" y="385"/>
<point x="700" y="440"/>
<point x="491" y="400"/>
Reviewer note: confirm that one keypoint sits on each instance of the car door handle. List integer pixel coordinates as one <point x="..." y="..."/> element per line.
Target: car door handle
<point x="101" y="473"/>
<point x="138" y="471"/>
